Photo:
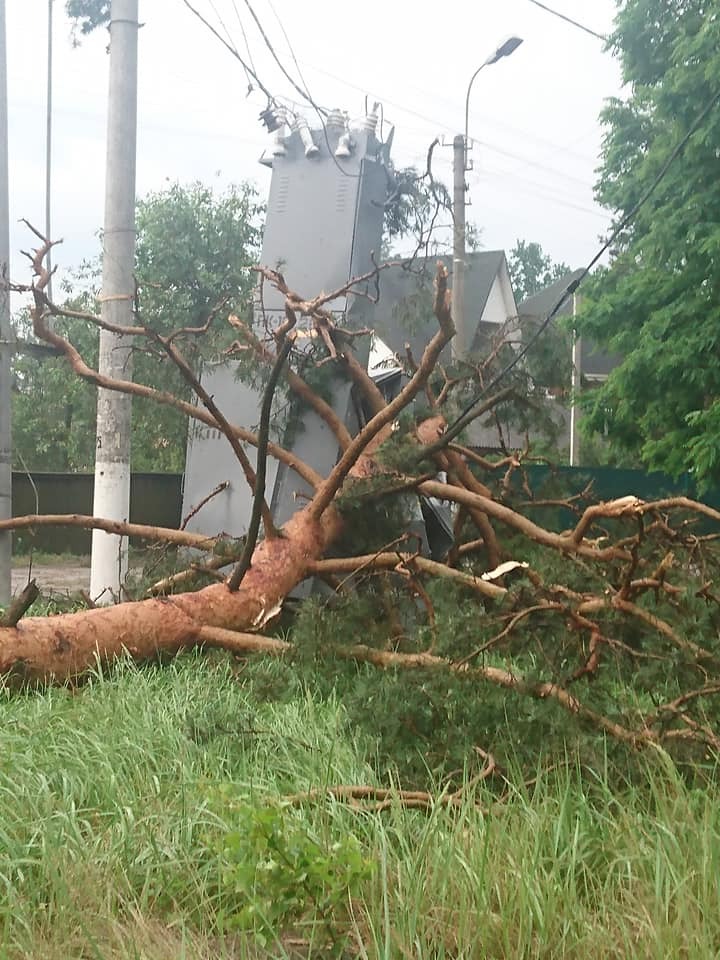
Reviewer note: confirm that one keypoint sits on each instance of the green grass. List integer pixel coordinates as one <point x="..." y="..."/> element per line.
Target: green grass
<point x="121" y="803"/>
<point x="40" y="558"/>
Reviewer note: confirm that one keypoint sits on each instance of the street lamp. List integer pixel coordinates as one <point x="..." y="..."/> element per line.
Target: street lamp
<point x="460" y="165"/>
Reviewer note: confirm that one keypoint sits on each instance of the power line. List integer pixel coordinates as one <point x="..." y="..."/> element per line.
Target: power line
<point x="308" y="98"/>
<point x="232" y="49"/>
<point x="460" y="422"/>
<point x="561" y="16"/>
<point x="222" y="24"/>
<point x="244" y="35"/>
<point x="562" y="201"/>
<point x="321" y="112"/>
<point x="303" y="93"/>
<point x="442" y="124"/>
<point x="289" y="46"/>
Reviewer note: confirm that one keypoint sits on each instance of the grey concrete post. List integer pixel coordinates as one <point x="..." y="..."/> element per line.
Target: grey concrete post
<point x="112" y="455"/>
<point x="459" y="344"/>
<point x="5" y="332"/>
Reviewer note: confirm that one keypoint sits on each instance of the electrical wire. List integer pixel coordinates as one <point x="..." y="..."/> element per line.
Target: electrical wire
<point x="561" y="16"/>
<point x="244" y="35"/>
<point x="303" y="93"/>
<point x="222" y="24"/>
<point x="250" y="70"/>
<point x="322" y="112"/>
<point x="460" y="422"/>
<point x="289" y="46"/>
<point x="232" y="49"/>
<point x="442" y="125"/>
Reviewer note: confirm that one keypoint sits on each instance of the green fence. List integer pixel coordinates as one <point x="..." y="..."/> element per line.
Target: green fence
<point x="607" y="483"/>
<point x="156" y="498"/>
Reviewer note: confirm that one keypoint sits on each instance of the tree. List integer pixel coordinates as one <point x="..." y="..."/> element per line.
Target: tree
<point x="88" y="15"/>
<point x="531" y="269"/>
<point x="658" y="302"/>
<point x="215" y="237"/>
<point x="607" y="588"/>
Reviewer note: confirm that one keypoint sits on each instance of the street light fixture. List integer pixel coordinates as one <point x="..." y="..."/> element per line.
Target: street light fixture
<point x="504" y="50"/>
<point x="460" y="165"/>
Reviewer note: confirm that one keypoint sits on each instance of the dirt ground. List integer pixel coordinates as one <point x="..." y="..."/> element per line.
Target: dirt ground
<point x="53" y="578"/>
<point x="63" y="575"/>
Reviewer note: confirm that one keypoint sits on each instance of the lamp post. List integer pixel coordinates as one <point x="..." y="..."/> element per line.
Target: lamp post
<point x="460" y="165"/>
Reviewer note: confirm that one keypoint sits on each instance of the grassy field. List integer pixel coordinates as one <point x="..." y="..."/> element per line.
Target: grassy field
<point x="141" y="817"/>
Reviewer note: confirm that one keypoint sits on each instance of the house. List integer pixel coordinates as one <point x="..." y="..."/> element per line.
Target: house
<point x="403" y="314"/>
<point x="590" y="364"/>
<point x="404" y="319"/>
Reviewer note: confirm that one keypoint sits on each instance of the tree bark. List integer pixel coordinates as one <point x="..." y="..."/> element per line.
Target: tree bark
<point x="42" y="649"/>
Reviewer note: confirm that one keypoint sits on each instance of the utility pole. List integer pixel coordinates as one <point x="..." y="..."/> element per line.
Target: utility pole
<point x="5" y="332"/>
<point x="48" y="141"/>
<point x="459" y="345"/>
<point x="112" y="455"/>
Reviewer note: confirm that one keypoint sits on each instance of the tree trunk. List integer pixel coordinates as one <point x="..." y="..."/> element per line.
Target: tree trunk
<point x="59" y="648"/>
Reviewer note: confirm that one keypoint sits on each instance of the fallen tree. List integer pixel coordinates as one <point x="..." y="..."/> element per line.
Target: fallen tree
<point x="630" y="583"/>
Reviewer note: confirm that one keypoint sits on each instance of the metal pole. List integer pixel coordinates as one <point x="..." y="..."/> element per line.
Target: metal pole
<point x="112" y="456"/>
<point x="461" y="147"/>
<point x="459" y="345"/>
<point x="48" y="141"/>
<point x="5" y="332"/>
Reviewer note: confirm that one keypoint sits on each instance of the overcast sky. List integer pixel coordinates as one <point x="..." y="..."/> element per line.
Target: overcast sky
<point x="533" y="116"/>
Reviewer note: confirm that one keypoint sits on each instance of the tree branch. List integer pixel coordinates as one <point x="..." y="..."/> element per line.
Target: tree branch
<point x="146" y="532"/>
<point x="326" y="492"/>
<point x="254" y="525"/>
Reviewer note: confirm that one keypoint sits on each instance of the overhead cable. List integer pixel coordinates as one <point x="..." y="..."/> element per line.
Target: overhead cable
<point x="465" y="418"/>
<point x="561" y="16"/>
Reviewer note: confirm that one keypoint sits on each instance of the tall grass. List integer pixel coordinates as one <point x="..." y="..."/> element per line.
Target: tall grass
<point x="114" y="799"/>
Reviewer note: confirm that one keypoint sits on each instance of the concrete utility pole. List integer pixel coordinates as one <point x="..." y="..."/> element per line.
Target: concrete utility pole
<point x="461" y="146"/>
<point x="5" y="332"/>
<point x="459" y="346"/>
<point x="112" y="456"/>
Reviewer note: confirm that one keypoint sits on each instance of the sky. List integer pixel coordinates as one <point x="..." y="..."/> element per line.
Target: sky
<point x="534" y="116"/>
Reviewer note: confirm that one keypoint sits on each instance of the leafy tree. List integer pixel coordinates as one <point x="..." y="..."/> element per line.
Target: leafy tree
<point x="658" y="303"/>
<point x="531" y="269"/>
<point x="193" y="250"/>
<point x="88" y="14"/>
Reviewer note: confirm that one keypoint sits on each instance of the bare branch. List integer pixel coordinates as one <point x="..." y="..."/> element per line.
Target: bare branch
<point x="259" y="499"/>
<point x="144" y="531"/>
<point x="390" y="561"/>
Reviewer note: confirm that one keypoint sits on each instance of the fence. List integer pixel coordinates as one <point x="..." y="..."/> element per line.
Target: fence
<point x="155" y="498"/>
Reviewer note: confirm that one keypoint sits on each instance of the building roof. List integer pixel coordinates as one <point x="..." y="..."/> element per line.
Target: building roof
<point x="594" y="362"/>
<point x="541" y="303"/>
<point x="404" y="312"/>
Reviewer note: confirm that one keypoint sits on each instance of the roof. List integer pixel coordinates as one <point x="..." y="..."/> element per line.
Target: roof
<point x="594" y="362"/>
<point x="541" y="303"/>
<point x="404" y="312"/>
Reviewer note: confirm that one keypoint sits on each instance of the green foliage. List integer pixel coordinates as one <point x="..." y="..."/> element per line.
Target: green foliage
<point x="88" y="15"/>
<point x="531" y="269"/>
<point x="53" y="410"/>
<point x="274" y="873"/>
<point x="657" y="302"/>
<point x="116" y="797"/>
<point x="193" y="251"/>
